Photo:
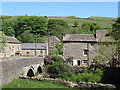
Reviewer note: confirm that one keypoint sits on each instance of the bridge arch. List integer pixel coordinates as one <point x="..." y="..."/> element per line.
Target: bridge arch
<point x="39" y="69"/>
<point x="30" y="73"/>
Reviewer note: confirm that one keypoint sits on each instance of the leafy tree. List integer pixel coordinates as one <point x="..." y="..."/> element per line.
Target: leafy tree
<point x="3" y="41"/>
<point x="58" y="59"/>
<point x="33" y="24"/>
<point x="57" y="27"/>
<point x="26" y="37"/>
<point x="115" y="33"/>
<point x="105" y="53"/>
<point x="90" y="27"/>
<point x="58" y="50"/>
<point x="8" y="26"/>
<point x="57" y="69"/>
<point x="76" y="23"/>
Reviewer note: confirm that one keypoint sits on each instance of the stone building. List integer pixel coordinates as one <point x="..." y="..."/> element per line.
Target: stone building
<point x="13" y="47"/>
<point x="51" y="42"/>
<point x="79" y="49"/>
<point x="34" y="49"/>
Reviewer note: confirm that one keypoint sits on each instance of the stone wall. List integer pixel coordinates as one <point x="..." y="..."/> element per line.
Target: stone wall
<point x="76" y="50"/>
<point x="79" y="85"/>
<point x="13" y="68"/>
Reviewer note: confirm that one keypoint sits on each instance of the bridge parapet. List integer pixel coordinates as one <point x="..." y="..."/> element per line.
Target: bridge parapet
<point x="13" y="68"/>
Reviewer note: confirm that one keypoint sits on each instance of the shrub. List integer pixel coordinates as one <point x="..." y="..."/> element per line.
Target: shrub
<point x="58" y="59"/>
<point x="88" y="77"/>
<point x="99" y="72"/>
<point x="57" y="69"/>
<point x="85" y="77"/>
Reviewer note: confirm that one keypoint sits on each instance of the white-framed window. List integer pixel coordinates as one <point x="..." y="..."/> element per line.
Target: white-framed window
<point x="85" y="52"/>
<point x="85" y="62"/>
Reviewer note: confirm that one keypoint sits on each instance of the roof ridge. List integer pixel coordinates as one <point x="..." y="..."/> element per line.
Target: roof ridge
<point x="79" y="34"/>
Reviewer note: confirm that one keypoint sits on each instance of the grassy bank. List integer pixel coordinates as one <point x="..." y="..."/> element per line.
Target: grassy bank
<point x="24" y="83"/>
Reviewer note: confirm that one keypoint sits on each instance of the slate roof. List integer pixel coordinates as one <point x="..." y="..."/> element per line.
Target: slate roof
<point x="100" y="36"/>
<point x="31" y="46"/>
<point x="13" y="40"/>
<point x="79" y="37"/>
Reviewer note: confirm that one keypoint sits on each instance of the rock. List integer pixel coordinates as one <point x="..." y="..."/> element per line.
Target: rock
<point x="110" y="86"/>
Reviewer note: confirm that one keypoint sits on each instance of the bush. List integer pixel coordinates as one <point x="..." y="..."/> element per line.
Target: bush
<point x="57" y="69"/>
<point x="58" y="59"/>
<point x="85" y="76"/>
<point x="88" y="77"/>
<point x="99" y="72"/>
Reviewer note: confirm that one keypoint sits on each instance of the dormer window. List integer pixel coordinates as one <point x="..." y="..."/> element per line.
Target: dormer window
<point x="85" y="52"/>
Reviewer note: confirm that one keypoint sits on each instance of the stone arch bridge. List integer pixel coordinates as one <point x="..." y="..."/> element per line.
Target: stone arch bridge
<point x="11" y="68"/>
<point x="32" y="70"/>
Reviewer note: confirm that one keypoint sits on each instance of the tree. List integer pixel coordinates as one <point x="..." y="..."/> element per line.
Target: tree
<point x="90" y="27"/>
<point x="76" y="23"/>
<point x="8" y="26"/>
<point x="57" y="27"/>
<point x="115" y="33"/>
<point x="58" y="50"/>
<point x="26" y="37"/>
<point x="105" y="52"/>
<point x="33" y="24"/>
<point x="3" y="41"/>
<point x="58" y="68"/>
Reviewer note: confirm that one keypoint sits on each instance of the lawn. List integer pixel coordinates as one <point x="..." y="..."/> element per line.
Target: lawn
<point x="24" y="83"/>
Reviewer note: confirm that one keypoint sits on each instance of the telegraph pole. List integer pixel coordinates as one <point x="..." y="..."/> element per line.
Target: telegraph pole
<point x="88" y="54"/>
<point x="35" y="44"/>
<point x="48" y="44"/>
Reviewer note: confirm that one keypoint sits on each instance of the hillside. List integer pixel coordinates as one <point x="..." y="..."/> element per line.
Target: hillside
<point x="46" y="25"/>
<point x="103" y="22"/>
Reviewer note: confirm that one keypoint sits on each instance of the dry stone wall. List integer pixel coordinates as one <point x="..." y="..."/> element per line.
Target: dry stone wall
<point x="79" y="85"/>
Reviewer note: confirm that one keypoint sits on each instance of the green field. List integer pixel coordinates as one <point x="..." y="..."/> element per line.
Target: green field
<point x="24" y="83"/>
<point x="103" y="22"/>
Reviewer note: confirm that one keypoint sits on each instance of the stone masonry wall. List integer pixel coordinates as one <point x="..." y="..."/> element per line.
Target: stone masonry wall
<point x="75" y="50"/>
<point x="13" y="68"/>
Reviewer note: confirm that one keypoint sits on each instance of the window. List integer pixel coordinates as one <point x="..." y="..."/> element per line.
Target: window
<point x="85" y="62"/>
<point x="85" y="52"/>
<point x="92" y="44"/>
<point x="18" y="48"/>
<point x="27" y="52"/>
<point x="70" y="62"/>
<point x="41" y="52"/>
<point x="78" y="62"/>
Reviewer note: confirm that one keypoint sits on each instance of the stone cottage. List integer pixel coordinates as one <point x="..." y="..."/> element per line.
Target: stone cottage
<point x="13" y="47"/>
<point x="34" y="49"/>
<point x="79" y="48"/>
<point x="51" y="42"/>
